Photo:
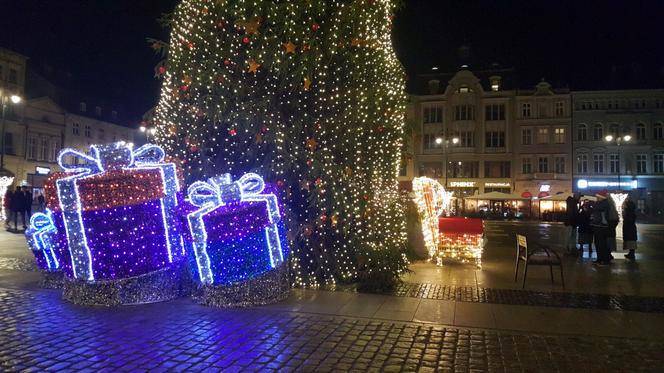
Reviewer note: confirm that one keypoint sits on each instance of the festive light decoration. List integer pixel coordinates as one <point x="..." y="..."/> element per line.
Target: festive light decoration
<point x="40" y="240"/>
<point x="5" y="182"/>
<point x="252" y="101"/>
<point x="618" y="200"/>
<point x="431" y="199"/>
<point x="127" y="232"/>
<point x="460" y="239"/>
<point x="237" y="222"/>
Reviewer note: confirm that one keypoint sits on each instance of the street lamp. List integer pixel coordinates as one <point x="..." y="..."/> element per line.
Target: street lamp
<point x="619" y="140"/>
<point x="5" y="100"/>
<point x="446" y="143"/>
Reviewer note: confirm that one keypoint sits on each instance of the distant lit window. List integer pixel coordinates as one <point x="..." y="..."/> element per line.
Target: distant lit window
<point x="542" y="135"/>
<point x="582" y="164"/>
<point x="560" y="109"/>
<point x="526" y="166"/>
<point x="658" y="163"/>
<point x="559" y="135"/>
<point x="614" y="163"/>
<point x="598" y="163"/>
<point x="559" y="165"/>
<point x="76" y="129"/>
<point x="543" y="165"/>
<point x="526" y="136"/>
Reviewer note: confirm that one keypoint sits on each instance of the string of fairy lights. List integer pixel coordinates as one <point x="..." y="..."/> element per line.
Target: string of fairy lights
<point x="308" y="94"/>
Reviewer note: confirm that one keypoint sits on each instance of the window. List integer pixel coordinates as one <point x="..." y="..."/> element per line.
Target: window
<point x="658" y="163"/>
<point x="43" y="148"/>
<point x="102" y="134"/>
<point x="560" y="109"/>
<point x="466" y="139"/>
<point x="464" y="90"/>
<point x="83" y="107"/>
<point x="525" y="110"/>
<point x="497" y="169"/>
<point x="13" y="76"/>
<point x="559" y="135"/>
<point x="431" y="169"/>
<point x="76" y="129"/>
<point x="32" y="147"/>
<point x="464" y="112"/>
<point x="543" y="165"/>
<point x="526" y="136"/>
<point x="9" y="143"/>
<point x="542" y="135"/>
<point x="495" y="139"/>
<point x="559" y="164"/>
<point x="614" y="163"/>
<point x="657" y="131"/>
<point x="641" y="161"/>
<point x="598" y="163"/>
<point x="432" y="114"/>
<point x="88" y="131"/>
<point x="53" y="152"/>
<point x="582" y="133"/>
<point x="582" y="164"/>
<point x="114" y="115"/>
<point x="469" y="169"/>
<point x="526" y="166"/>
<point x="429" y="141"/>
<point x="598" y="132"/>
<point x="640" y="131"/>
<point x="98" y="110"/>
<point x="494" y="112"/>
<point x="641" y="205"/>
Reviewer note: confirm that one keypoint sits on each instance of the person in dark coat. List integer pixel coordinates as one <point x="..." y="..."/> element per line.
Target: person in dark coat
<point x="18" y="207"/>
<point x="571" y="222"/>
<point x="629" y="228"/>
<point x="27" y="194"/>
<point x="585" y="230"/>
<point x="600" y="225"/>
<point x="41" y="201"/>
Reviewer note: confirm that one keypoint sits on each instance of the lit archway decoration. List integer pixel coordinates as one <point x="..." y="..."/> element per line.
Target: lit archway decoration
<point x="431" y="200"/>
<point x="5" y="182"/>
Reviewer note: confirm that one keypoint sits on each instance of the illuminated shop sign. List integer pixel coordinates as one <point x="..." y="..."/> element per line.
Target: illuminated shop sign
<point x="545" y="188"/>
<point x="462" y="184"/>
<point x="583" y="184"/>
<point x="42" y="170"/>
<point x="497" y="185"/>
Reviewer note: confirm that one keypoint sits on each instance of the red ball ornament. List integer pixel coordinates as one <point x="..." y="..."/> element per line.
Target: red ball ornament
<point x="366" y="197"/>
<point x="232" y="132"/>
<point x="162" y="70"/>
<point x="194" y="148"/>
<point x="318" y="181"/>
<point x="323" y="218"/>
<point x="309" y="162"/>
<point x="185" y="88"/>
<point x="280" y="183"/>
<point x="264" y="128"/>
<point x="315" y="27"/>
<point x="190" y="45"/>
<point x="227" y="62"/>
<point x="246" y="40"/>
<point x="221" y="23"/>
<point x="308" y="231"/>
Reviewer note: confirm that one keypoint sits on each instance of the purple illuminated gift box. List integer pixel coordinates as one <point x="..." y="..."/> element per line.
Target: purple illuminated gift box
<point x="236" y="230"/>
<point x="117" y="209"/>
<point x="45" y="241"/>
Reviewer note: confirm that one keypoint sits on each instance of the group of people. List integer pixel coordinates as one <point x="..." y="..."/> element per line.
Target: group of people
<point x="18" y="203"/>
<point x="595" y="222"/>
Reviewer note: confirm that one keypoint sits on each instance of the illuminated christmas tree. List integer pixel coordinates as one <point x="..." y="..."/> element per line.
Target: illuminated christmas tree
<point x="309" y="94"/>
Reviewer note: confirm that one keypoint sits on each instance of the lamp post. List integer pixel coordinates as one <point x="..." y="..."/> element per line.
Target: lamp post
<point x="619" y="140"/>
<point x="148" y="132"/>
<point x="446" y="143"/>
<point x="5" y="99"/>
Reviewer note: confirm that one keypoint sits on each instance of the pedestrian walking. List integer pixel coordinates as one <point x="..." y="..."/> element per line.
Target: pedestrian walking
<point x="18" y="207"/>
<point x="42" y="202"/>
<point x="571" y="222"/>
<point x="585" y="230"/>
<point x="629" y="228"/>
<point x="599" y="221"/>
<point x="27" y="194"/>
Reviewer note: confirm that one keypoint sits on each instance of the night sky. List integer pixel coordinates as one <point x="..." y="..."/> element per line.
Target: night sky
<point x="580" y="44"/>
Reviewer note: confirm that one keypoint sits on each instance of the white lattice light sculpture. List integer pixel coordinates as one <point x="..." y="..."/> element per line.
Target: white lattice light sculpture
<point x="431" y="199"/>
<point x="5" y="182"/>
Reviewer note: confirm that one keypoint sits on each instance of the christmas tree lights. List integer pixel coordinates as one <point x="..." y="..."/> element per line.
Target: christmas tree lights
<point x="309" y="94"/>
<point x="5" y="182"/>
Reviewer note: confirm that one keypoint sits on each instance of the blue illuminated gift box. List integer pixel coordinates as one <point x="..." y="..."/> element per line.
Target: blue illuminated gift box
<point x="117" y="206"/>
<point x="45" y="241"/>
<point x="236" y="229"/>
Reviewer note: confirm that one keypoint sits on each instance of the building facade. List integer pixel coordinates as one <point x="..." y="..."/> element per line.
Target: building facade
<point x="631" y="158"/>
<point x="475" y="134"/>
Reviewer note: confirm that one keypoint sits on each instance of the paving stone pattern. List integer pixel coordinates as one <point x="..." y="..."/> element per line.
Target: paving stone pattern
<point x="531" y="298"/>
<point x="40" y="332"/>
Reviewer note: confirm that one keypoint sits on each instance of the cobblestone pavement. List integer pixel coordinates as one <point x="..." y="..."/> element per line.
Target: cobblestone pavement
<point x="615" y="302"/>
<point x="40" y="332"/>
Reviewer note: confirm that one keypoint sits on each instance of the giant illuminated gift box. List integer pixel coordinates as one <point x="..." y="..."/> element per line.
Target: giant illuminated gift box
<point x="461" y="239"/>
<point x="238" y="241"/>
<point x="117" y="206"/>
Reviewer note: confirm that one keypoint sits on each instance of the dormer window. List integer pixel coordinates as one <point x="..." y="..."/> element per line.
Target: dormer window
<point x="495" y="83"/>
<point x="98" y="111"/>
<point x="464" y="90"/>
<point x="114" y="115"/>
<point x="83" y="107"/>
